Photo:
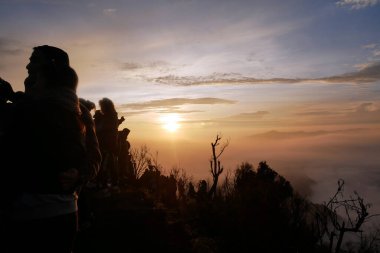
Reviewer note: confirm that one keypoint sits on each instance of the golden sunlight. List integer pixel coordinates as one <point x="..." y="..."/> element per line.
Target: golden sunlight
<point x="170" y="122"/>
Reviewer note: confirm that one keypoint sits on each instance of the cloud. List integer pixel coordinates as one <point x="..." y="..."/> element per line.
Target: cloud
<point x="179" y="1"/>
<point x="374" y="48"/>
<point x="146" y="70"/>
<point x="128" y="114"/>
<point x="53" y="2"/>
<point x="357" y="4"/>
<point x="370" y="46"/>
<point x="125" y="110"/>
<point x="367" y="74"/>
<point x="130" y="66"/>
<point x="135" y="65"/>
<point x="8" y="50"/>
<point x="217" y="78"/>
<point x="109" y="11"/>
<point x="365" y="107"/>
<point x="175" y="110"/>
<point x="249" y="116"/>
<point x="174" y="103"/>
<point x="303" y="184"/>
<point x="9" y="47"/>
<point x="354" y="117"/>
<point x="242" y="120"/>
<point x="315" y="113"/>
<point x="364" y="113"/>
<point x="276" y="135"/>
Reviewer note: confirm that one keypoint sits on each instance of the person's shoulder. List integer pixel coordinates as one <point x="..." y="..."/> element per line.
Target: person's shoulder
<point x="27" y="104"/>
<point x="43" y="106"/>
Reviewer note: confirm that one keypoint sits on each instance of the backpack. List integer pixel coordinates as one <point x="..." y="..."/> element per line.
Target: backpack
<point x="43" y="140"/>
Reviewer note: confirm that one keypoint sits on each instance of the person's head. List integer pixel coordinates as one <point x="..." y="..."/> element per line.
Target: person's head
<point x="87" y="103"/>
<point x="98" y="115"/>
<point x="124" y="133"/>
<point x="45" y="57"/>
<point x="107" y="106"/>
<point x="50" y="77"/>
<point x="6" y="91"/>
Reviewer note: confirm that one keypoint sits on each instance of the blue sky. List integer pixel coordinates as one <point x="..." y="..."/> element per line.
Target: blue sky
<point x="262" y="39"/>
<point x="286" y="81"/>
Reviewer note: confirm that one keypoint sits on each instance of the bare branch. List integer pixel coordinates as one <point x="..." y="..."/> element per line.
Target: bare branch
<point x="215" y="165"/>
<point x="355" y="212"/>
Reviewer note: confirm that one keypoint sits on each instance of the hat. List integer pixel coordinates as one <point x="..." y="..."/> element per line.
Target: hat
<point x="54" y="54"/>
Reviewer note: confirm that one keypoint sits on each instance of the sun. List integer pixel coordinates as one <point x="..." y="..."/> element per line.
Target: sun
<point x="170" y="122"/>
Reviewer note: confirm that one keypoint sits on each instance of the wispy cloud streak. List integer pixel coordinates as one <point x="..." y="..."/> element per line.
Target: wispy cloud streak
<point x="249" y="116"/>
<point x="368" y="74"/>
<point x="275" y="135"/>
<point x="357" y="4"/>
<point x="175" y="102"/>
<point x="9" y="47"/>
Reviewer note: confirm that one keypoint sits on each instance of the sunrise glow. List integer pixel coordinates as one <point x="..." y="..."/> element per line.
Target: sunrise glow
<point x="295" y="83"/>
<point x="170" y="122"/>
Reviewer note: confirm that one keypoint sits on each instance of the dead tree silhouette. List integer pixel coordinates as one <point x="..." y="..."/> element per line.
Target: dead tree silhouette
<point x="215" y="167"/>
<point x="355" y="214"/>
<point x="140" y="160"/>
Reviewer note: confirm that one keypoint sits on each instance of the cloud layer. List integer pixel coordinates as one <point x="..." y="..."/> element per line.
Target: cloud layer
<point x="357" y="4"/>
<point x="176" y="102"/>
<point x="368" y="74"/>
<point x="276" y="135"/>
<point x="8" y="47"/>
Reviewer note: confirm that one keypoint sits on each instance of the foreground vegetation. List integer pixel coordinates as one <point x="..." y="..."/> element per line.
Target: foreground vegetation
<point x="250" y="210"/>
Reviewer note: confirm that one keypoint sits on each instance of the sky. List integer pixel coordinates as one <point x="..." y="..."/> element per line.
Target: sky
<point x="295" y="83"/>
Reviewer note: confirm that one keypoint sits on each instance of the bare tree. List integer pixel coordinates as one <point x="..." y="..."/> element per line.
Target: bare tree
<point x="140" y="160"/>
<point x="215" y="167"/>
<point x="341" y="215"/>
<point x="227" y="187"/>
<point x="183" y="181"/>
<point x="153" y="161"/>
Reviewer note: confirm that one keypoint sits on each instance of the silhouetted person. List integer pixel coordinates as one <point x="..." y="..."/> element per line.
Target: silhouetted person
<point x="125" y="158"/>
<point x="46" y="156"/>
<point x="106" y="123"/>
<point x="6" y="94"/>
<point x="87" y="103"/>
<point x="91" y="140"/>
<point x="7" y="97"/>
<point x="85" y="210"/>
